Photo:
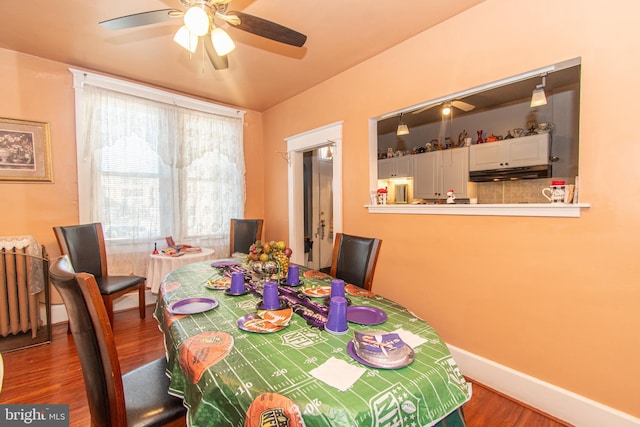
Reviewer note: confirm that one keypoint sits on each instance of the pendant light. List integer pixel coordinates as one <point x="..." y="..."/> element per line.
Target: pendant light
<point x="538" y="96"/>
<point x="402" y="127"/>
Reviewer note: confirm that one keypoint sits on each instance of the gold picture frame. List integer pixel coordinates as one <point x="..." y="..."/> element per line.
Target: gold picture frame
<point x="25" y="151"/>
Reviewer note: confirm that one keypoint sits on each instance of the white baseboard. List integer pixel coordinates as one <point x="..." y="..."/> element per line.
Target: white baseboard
<point x="126" y="302"/>
<point x="555" y="401"/>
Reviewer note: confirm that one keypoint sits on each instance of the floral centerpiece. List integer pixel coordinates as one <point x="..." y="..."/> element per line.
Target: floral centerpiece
<point x="269" y="259"/>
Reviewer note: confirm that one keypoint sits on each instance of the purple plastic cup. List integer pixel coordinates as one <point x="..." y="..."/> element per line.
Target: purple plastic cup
<point x="337" y="319"/>
<point x="270" y="299"/>
<point x="337" y="288"/>
<point x="293" y="275"/>
<point x="237" y="283"/>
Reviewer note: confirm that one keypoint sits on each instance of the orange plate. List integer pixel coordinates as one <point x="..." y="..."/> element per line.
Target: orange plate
<point x="253" y="323"/>
<point x="219" y="284"/>
<point x="357" y="291"/>
<point x="277" y="317"/>
<point x="317" y="291"/>
<point x="315" y="274"/>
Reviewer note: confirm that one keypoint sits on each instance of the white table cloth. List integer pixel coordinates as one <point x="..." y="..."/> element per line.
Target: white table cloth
<point x="159" y="265"/>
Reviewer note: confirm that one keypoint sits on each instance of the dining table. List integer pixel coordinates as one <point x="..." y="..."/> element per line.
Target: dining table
<point x="231" y="370"/>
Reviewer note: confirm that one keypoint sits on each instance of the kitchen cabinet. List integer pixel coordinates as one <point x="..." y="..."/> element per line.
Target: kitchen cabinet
<point x="530" y="150"/>
<point x="437" y="172"/>
<point x="395" y="167"/>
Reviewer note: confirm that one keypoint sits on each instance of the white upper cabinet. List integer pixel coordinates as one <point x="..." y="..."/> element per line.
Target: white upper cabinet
<point x="437" y="172"/>
<point x="395" y="167"/>
<point x="530" y="150"/>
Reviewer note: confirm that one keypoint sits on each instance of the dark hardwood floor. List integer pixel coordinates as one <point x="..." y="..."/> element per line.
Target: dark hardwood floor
<point x="50" y="374"/>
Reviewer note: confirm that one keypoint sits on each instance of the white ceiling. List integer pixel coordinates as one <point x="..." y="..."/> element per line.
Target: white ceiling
<point x="262" y="73"/>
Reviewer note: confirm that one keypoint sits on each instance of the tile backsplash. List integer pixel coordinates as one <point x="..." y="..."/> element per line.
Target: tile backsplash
<point x="521" y="191"/>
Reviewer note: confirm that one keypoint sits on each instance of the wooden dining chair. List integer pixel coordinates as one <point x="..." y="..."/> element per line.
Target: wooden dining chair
<point x="84" y="244"/>
<point x="354" y="259"/>
<point x="243" y="233"/>
<point x="1" y="371"/>
<point x="137" y="398"/>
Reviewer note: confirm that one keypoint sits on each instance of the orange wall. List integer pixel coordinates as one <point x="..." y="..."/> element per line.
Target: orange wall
<point x="35" y="89"/>
<point x="557" y="299"/>
<point x="554" y="298"/>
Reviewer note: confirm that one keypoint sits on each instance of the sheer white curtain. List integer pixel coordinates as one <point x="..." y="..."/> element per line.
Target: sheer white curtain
<point x="158" y="170"/>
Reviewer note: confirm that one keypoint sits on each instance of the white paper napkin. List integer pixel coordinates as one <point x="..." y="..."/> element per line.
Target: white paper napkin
<point x="411" y="339"/>
<point x="338" y="373"/>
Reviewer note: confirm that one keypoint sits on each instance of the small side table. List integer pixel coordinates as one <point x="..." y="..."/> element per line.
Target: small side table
<point x="159" y="265"/>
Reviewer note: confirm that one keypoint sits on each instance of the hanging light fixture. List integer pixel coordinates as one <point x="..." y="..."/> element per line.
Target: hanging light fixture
<point x="538" y="97"/>
<point x="222" y="43"/>
<point x="186" y="39"/>
<point x="197" y="20"/>
<point x="446" y="109"/>
<point x="402" y="127"/>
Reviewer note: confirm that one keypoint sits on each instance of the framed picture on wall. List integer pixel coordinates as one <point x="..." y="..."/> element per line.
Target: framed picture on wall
<point x="25" y="151"/>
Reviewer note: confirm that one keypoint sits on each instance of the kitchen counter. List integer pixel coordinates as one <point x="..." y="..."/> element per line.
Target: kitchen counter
<point x="570" y="210"/>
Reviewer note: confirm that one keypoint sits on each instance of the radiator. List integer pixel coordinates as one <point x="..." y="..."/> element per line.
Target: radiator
<point x="19" y="307"/>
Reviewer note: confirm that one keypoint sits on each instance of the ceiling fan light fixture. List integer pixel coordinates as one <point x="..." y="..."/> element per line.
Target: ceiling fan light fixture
<point x="538" y="97"/>
<point x="446" y="109"/>
<point x="197" y="20"/>
<point x="186" y="39"/>
<point x="222" y="43"/>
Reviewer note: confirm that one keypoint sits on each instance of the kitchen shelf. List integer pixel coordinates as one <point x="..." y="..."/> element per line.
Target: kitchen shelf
<point x="571" y="210"/>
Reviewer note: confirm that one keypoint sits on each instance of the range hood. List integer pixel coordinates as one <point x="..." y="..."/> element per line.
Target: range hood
<point x="511" y="174"/>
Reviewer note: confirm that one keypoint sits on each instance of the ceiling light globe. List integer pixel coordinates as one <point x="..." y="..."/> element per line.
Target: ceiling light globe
<point x="222" y="43"/>
<point x="186" y="39"/>
<point x="197" y="21"/>
<point x="446" y="110"/>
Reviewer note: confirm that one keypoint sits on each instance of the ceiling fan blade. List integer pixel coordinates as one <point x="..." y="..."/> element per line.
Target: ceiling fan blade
<point x="463" y="105"/>
<point x="268" y="29"/>
<point x="218" y="62"/>
<point x="423" y="109"/>
<point x="140" y="19"/>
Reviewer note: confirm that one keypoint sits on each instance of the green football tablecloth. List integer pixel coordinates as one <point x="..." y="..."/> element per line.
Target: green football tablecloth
<point x="230" y="377"/>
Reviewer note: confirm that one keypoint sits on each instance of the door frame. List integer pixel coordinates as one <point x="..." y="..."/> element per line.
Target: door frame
<point x="296" y="145"/>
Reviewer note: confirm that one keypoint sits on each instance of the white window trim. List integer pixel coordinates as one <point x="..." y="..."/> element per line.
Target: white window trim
<point x="80" y="78"/>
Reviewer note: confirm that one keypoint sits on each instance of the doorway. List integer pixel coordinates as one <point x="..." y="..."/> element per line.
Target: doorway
<point x="318" y="207"/>
<point x="297" y="145"/>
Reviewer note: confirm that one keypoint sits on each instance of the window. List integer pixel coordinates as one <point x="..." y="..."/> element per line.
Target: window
<point x="148" y="169"/>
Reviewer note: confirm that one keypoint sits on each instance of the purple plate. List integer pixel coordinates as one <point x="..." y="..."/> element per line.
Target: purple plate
<point x="228" y="292"/>
<point x="283" y="282"/>
<point x="283" y="304"/>
<point x="365" y="315"/>
<point x="224" y="263"/>
<point x="193" y="305"/>
<point x="352" y="352"/>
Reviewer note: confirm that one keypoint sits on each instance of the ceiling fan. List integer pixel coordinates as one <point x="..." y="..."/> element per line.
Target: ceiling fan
<point x="200" y="25"/>
<point x="461" y="105"/>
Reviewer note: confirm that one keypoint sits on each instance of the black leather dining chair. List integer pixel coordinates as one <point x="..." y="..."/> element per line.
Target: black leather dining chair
<point x="354" y="259"/>
<point x="137" y="398"/>
<point x="243" y="233"/>
<point x="84" y="244"/>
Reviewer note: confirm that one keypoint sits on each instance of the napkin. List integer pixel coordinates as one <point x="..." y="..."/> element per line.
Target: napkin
<point x="338" y="373"/>
<point x="411" y="339"/>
